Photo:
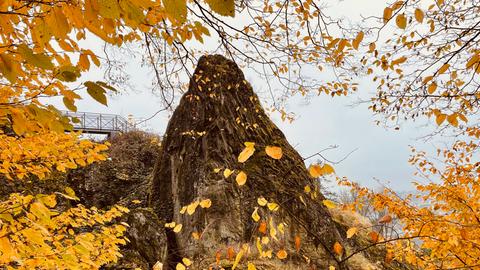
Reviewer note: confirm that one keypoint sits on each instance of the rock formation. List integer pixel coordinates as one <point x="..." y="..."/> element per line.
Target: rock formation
<point x="218" y="114"/>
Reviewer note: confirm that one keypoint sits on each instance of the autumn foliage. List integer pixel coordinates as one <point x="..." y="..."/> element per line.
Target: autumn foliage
<point x="422" y="56"/>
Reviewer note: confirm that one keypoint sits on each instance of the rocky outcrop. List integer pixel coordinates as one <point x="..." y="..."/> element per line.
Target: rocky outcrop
<point x="218" y="114"/>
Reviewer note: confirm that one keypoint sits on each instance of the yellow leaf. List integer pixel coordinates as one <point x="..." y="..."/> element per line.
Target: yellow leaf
<point x="238" y="258"/>
<point x="187" y="262"/>
<point x="251" y="266"/>
<point x="331" y="267"/>
<point x="273" y="206"/>
<point x="170" y="224"/>
<point x="192" y="207"/>
<point x="176" y="9"/>
<point x="136" y="201"/>
<point x="274" y="152"/>
<point x="241" y="178"/>
<point x="327" y="169"/>
<point x="180" y="266"/>
<point x="195" y="235"/>
<point x="351" y="232"/>
<point x="183" y="210"/>
<point x="109" y="9"/>
<point x="419" y="15"/>
<point x="8" y="68"/>
<point x="307" y="189"/>
<point x="96" y="92"/>
<point x="38" y="60"/>
<point x="177" y="228"/>
<point x="401" y="21"/>
<point x="222" y="7"/>
<point x="227" y="172"/>
<point x="315" y="170"/>
<point x="216" y="170"/>
<point x="356" y="42"/>
<point x="337" y="248"/>
<point x="255" y="215"/>
<point x="205" y="204"/>
<point x="262" y="201"/>
<point x="329" y="204"/>
<point x="282" y="254"/>
<point x="247" y="152"/>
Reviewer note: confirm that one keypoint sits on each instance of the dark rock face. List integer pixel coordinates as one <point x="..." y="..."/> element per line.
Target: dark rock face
<point x="124" y="177"/>
<point x="218" y="114"/>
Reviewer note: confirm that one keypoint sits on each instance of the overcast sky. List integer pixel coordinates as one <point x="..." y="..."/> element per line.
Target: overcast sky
<point x="379" y="153"/>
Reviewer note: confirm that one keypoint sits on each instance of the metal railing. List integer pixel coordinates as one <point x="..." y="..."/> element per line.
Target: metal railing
<point x="97" y="122"/>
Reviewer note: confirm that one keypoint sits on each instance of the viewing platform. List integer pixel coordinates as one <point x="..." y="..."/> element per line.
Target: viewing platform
<point x="98" y="123"/>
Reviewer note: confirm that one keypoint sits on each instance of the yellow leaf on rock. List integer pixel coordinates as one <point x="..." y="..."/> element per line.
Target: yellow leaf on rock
<point x="274" y="152"/>
<point x="262" y="201"/>
<point x="170" y="224"/>
<point x="247" y="152"/>
<point x="178" y="228"/>
<point x="227" y="172"/>
<point x="187" y="261"/>
<point x="255" y="215"/>
<point x="351" y="232"/>
<point x="238" y="258"/>
<point x="205" y="204"/>
<point x="192" y="207"/>
<point x="241" y="178"/>
<point x="329" y="204"/>
<point x="273" y="206"/>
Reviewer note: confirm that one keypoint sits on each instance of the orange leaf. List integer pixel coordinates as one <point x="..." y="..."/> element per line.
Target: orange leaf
<point x="440" y="118"/>
<point x="282" y="254"/>
<point x="274" y="152"/>
<point x="297" y="243"/>
<point x="338" y="248"/>
<point x="401" y="21"/>
<point x="374" y="236"/>
<point x="387" y="14"/>
<point x="357" y="40"/>
<point x="385" y="219"/>
<point x="419" y="15"/>
<point x="263" y="227"/>
<point x="452" y="119"/>
<point x="230" y="253"/>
